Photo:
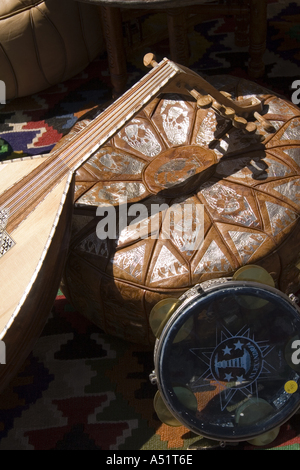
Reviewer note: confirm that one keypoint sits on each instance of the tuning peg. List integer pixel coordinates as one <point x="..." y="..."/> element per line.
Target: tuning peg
<point x="226" y="94"/>
<point x="228" y="112"/>
<point x="239" y="122"/>
<point x="204" y="101"/>
<point x="150" y="60"/>
<point x="266" y="125"/>
<point x="251" y="128"/>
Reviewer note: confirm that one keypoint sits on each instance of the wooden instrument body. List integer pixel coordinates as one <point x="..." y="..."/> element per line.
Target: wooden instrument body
<point x="30" y="271"/>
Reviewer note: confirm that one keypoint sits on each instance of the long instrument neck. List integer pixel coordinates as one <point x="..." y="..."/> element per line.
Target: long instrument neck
<point x="17" y="202"/>
<point x="75" y="153"/>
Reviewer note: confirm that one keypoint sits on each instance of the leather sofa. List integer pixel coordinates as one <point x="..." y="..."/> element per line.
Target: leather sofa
<point x="45" y="42"/>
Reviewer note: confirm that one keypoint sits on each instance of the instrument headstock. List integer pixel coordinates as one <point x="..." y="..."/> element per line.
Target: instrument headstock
<point x="242" y="113"/>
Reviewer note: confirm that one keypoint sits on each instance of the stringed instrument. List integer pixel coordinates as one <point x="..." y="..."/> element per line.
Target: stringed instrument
<point x="36" y="202"/>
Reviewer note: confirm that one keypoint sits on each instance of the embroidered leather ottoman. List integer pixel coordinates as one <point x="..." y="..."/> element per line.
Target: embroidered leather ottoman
<point x="45" y="42"/>
<point x="249" y="200"/>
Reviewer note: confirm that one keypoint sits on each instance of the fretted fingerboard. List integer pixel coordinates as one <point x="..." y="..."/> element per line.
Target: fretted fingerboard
<point x="25" y="194"/>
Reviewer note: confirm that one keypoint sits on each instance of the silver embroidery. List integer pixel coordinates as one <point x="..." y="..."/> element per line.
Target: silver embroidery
<point x="213" y="261"/>
<point x="230" y="204"/>
<point x="143" y="229"/>
<point x="131" y="261"/>
<point x="116" y="163"/>
<point x="175" y="172"/>
<point x="291" y="190"/>
<point x="113" y="193"/>
<point x="279" y="106"/>
<point x="254" y="169"/>
<point x="184" y="225"/>
<point x="141" y="138"/>
<point x="175" y="121"/>
<point x="94" y="246"/>
<point x="6" y="242"/>
<point x="208" y="127"/>
<point x="280" y="217"/>
<point x="236" y="140"/>
<point x="277" y="124"/>
<point x="246" y="243"/>
<point x="292" y="132"/>
<point x="276" y="169"/>
<point x="166" y="266"/>
<point x="294" y="153"/>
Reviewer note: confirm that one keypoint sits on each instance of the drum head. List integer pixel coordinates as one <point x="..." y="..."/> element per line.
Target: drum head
<point x="228" y="361"/>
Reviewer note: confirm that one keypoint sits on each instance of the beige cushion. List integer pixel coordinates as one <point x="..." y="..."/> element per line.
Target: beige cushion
<point x="44" y="42"/>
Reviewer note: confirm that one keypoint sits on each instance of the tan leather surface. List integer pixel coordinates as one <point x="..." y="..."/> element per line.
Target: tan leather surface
<point x="45" y="42"/>
<point x="251" y="207"/>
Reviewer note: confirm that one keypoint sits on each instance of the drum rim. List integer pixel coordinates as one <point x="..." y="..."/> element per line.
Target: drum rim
<point x="188" y="298"/>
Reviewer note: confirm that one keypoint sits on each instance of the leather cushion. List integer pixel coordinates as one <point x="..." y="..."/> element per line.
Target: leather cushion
<point x="45" y="42"/>
<point x="250" y="204"/>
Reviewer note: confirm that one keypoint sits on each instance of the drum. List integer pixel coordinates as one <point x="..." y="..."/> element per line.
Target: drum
<point x="227" y="359"/>
<point x="241" y="191"/>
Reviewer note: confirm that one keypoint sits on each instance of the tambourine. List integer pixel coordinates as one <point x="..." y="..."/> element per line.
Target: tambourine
<point x="227" y="358"/>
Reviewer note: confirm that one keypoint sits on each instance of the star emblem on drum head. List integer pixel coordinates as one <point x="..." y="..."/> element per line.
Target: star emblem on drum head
<point x="234" y="364"/>
<point x="6" y="242"/>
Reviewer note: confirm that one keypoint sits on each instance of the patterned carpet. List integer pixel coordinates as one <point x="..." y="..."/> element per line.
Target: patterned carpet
<point x="79" y="388"/>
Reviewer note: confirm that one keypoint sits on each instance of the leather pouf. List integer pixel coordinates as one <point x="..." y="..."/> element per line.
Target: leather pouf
<point x="44" y="42"/>
<point x="251" y="207"/>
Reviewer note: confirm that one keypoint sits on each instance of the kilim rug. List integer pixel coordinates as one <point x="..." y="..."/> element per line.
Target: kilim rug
<point x="80" y="388"/>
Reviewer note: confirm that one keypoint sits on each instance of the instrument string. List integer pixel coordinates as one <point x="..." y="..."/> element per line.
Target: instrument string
<point x="120" y="117"/>
<point x="82" y="140"/>
<point x="60" y="163"/>
<point x="57" y="168"/>
<point x="83" y="144"/>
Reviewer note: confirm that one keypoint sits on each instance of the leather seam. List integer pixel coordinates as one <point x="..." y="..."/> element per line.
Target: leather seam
<point x="17" y="12"/>
<point x="13" y="72"/>
<point x="82" y="30"/>
<point x="37" y="54"/>
<point x="62" y="44"/>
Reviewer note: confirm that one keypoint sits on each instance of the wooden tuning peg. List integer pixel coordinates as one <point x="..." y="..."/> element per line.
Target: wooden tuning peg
<point x="204" y="101"/>
<point x="228" y="112"/>
<point x="239" y="122"/>
<point x="149" y="60"/>
<point x="251" y="128"/>
<point x="226" y="94"/>
<point x="266" y="125"/>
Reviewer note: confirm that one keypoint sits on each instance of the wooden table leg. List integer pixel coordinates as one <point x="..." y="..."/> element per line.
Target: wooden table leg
<point x="258" y="36"/>
<point x="241" y="33"/>
<point x="178" y="35"/>
<point x="113" y="35"/>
